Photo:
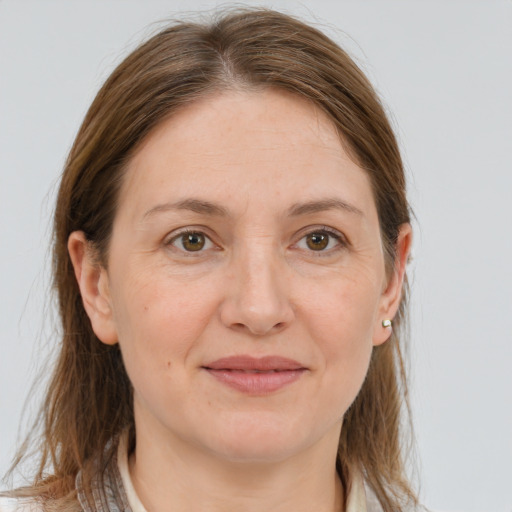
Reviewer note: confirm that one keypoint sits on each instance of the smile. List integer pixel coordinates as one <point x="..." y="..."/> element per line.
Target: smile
<point x="255" y="376"/>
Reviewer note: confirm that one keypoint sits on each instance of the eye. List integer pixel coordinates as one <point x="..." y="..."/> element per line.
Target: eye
<point x="191" y="241"/>
<point x="321" y="240"/>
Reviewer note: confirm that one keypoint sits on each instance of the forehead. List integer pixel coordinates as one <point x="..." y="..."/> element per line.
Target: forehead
<point x="239" y="145"/>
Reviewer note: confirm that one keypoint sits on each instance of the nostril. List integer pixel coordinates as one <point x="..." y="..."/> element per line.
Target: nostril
<point x="256" y="317"/>
<point x="239" y="327"/>
<point x="257" y="329"/>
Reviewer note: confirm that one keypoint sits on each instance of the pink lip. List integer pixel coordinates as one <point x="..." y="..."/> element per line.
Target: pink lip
<point x="255" y="376"/>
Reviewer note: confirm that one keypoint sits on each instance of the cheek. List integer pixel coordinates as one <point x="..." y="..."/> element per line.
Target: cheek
<point x="159" y="323"/>
<point x="341" y="322"/>
<point x="343" y="309"/>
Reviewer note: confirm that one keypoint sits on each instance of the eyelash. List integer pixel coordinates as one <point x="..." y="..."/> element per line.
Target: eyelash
<point x="185" y="232"/>
<point x="324" y="230"/>
<point x="341" y="241"/>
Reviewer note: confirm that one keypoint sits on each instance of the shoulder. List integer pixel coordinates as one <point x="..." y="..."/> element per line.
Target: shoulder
<point x="8" y="504"/>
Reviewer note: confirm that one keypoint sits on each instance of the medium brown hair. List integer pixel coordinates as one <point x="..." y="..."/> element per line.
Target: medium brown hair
<point x="89" y="399"/>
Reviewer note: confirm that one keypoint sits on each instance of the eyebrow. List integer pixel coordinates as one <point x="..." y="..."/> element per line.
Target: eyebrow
<point x="191" y="204"/>
<point x="322" y="205"/>
<point x="208" y="208"/>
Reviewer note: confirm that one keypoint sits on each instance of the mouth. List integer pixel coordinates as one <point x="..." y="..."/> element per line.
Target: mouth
<point x="255" y="376"/>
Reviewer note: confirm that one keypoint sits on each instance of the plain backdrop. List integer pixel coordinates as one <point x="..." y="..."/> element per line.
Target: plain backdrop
<point x="444" y="70"/>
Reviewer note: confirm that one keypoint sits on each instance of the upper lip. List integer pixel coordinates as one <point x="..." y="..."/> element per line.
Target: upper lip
<point x="245" y="362"/>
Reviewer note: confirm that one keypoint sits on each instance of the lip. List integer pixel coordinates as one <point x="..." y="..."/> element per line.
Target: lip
<point x="255" y="376"/>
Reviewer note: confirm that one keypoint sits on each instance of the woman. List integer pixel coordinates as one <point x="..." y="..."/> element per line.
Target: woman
<point x="231" y="237"/>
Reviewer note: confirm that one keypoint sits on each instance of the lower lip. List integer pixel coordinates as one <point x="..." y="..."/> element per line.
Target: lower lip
<point x="256" y="383"/>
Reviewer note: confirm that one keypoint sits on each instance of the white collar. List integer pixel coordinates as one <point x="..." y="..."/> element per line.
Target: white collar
<point x="122" y="462"/>
<point x="356" y="500"/>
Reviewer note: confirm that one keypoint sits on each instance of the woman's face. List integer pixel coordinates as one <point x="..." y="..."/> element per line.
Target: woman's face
<point x="245" y="282"/>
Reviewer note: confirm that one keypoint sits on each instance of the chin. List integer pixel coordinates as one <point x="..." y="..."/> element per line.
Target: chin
<point x="262" y="442"/>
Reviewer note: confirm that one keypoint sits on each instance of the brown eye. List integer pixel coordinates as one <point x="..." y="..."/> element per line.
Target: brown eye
<point x="317" y="241"/>
<point x="193" y="241"/>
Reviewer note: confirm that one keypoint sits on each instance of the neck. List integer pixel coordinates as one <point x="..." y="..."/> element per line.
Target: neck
<point x="169" y="474"/>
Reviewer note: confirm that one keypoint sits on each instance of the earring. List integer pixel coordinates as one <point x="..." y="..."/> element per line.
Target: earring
<point x="387" y="323"/>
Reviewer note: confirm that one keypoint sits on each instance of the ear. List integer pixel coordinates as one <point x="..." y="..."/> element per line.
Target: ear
<point x="93" y="282"/>
<point x="392" y="294"/>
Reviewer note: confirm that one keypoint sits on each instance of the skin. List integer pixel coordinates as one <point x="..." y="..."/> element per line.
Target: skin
<point x="257" y="287"/>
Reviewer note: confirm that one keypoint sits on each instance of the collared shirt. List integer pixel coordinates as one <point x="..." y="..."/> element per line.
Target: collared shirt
<point x="113" y="491"/>
<point x="359" y="499"/>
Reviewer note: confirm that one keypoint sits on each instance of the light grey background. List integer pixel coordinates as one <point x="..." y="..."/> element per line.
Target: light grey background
<point x="444" y="70"/>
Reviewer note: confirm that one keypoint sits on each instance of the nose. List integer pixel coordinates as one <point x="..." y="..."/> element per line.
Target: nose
<point x="257" y="301"/>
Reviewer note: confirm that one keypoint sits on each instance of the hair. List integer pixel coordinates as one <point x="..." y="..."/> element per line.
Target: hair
<point x="89" y="398"/>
